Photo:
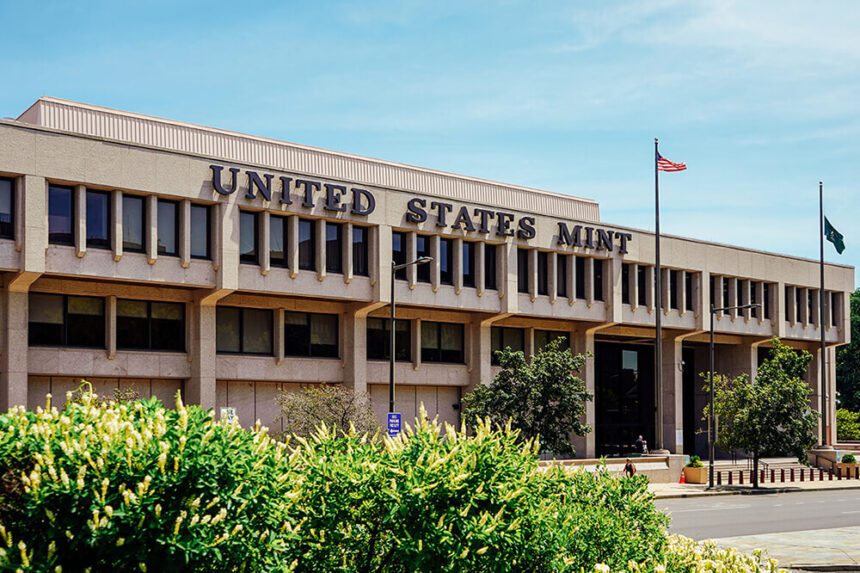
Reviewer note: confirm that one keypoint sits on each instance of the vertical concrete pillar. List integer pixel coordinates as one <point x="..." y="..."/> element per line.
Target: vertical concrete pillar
<point x="184" y="238"/>
<point x="436" y="265"/>
<point x="355" y="347"/>
<point x="81" y="220"/>
<point x="411" y="255"/>
<point x="778" y="311"/>
<point x="552" y="279"/>
<point x="759" y="299"/>
<point x="508" y="277"/>
<point x="264" y="245"/>
<point x="589" y="281"/>
<point x="673" y="395"/>
<point x="116" y="231"/>
<point x="650" y="285"/>
<point x="152" y="229"/>
<point x="702" y="295"/>
<point x="458" y="265"/>
<point x="529" y="343"/>
<point x="110" y="326"/>
<point x="571" y="280"/>
<point x="682" y="292"/>
<point x="613" y="276"/>
<point x="583" y="342"/>
<point x="319" y="229"/>
<point x="480" y="267"/>
<point x="293" y="245"/>
<point x="278" y="338"/>
<point x="533" y="273"/>
<point x="666" y="289"/>
<point x="200" y="388"/>
<point x="346" y="262"/>
<point x="380" y="262"/>
<point x="634" y="286"/>
<point x="13" y="389"/>
<point x="482" y="371"/>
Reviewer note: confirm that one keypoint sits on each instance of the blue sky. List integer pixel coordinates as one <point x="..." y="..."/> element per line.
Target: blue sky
<point x="760" y="99"/>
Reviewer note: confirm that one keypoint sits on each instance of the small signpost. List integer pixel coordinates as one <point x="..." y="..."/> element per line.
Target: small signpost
<point x="393" y="424"/>
<point x="228" y="414"/>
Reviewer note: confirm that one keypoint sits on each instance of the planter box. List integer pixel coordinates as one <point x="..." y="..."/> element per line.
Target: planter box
<point x="696" y="475"/>
<point x="846" y="470"/>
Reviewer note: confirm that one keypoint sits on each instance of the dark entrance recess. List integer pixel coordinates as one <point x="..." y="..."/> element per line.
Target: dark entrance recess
<point x="624" y="399"/>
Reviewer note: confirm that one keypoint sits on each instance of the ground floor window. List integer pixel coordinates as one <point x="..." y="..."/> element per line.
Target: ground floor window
<point x="60" y="320"/>
<point x="544" y="337"/>
<point x="379" y="339"/>
<point x="442" y="342"/>
<point x="505" y="337"/>
<point x="144" y="325"/>
<point x="244" y="331"/>
<point x="309" y="334"/>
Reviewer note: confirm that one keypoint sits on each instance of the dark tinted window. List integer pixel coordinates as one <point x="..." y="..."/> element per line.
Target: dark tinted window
<point x="689" y="303"/>
<point x="168" y="228"/>
<point x="544" y="337"/>
<point x="766" y="301"/>
<point x="522" y="270"/>
<point x="641" y="286"/>
<point x="360" y="250"/>
<point x="490" y="261"/>
<point x="422" y="249"/>
<point x="7" y="208"/>
<point x="543" y="272"/>
<point x="398" y="253"/>
<point x="468" y="264"/>
<point x="133" y="224"/>
<point x="98" y="219"/>
<point x="379" y="339"/>
<point x="446" y="261"/>
<point x="278" y="241"/>
<point x="561" y="275"/>
<point x="61" y="213"/>
<point x="754" y="299"/>
<point x="59" y="320"/>
<point x="143" y="325"/>
<point x="248" y="237"/>
<point x="502" y="337"/>
<point x="580" y="278"/>
<point x="726" y="302"/>
<point x="625" y="283"/>
<point x="598" y="279"/>
<point x="307" y="334"/>
<point x="441" y="342"/>
<point x="201" y="237"/>
<point x="674" y="280"/>
<point x="334" y="248"/>
<point x="307" y="245"/>
<point x="244" y="330"/>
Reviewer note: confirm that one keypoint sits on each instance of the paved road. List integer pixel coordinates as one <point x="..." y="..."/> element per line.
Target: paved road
<point x="734" y="515"/>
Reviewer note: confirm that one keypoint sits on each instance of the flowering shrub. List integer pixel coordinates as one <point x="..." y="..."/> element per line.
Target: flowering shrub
<point x="132" y="486"/>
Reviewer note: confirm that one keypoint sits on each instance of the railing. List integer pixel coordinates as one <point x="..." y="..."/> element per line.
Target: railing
<point x="786" y="475"/>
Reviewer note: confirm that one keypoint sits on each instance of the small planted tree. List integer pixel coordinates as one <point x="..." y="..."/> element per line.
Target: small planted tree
<point x="543" y="398"/>
<point x="333" y="405"/>
<point x="770" y="414"/>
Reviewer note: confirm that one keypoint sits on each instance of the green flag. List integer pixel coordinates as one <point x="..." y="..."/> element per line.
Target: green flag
<point x="833" y="236"/>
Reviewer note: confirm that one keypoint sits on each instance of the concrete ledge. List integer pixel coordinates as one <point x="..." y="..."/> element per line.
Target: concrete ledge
<point x="659" y="469"/>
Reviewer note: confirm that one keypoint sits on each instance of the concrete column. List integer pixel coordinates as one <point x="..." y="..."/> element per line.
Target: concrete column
<point x="217" y="236"/>
<point x="116" y="231"/>
<point x="319" y="229"/>
<point x="355" y="347"/>
<point x="110" y="326"/>
<point x="480" y="267"/>
<point x="13" y="377"/>
<point x="278" y="337"/>
<point x="293" y="245"/>
<point x="702" y="294"/>
<point x="759" y="299"/>
<point x="508" y="277"/>
<point x="529" y="342"/>
<point x="583" y="342"/>
<point x="458" y="265"/>
<point x="481" y="335"/>
<point x="589" y="281"/>
<point x="778" y="314"/>
<point x="682" y="292"/>
<point x="533" y="273"/>
<point x="411" y="255"/>
<point x="634" y="286"/>
<point x="666" y="289"/>
<point x="264" y="245"/>
<point x="650" y="299"/>
<point x="80" y="199"/>
<point x="346" y="263"/>
<point x="673" y="395"/>
<point x="436" y="265"/>
<point x="613" y="276"/>
<point x="571" y="280"/>
<point x="552" y="279"/>
<point x="380" y="262"/>
<point x="736" y="359"/>
<point x="718" y="294"/>
<point x="416" y="343"/>
<point x="200" y="388"/>
<point x="184" y="238"/>
<point x="152" y="230"/>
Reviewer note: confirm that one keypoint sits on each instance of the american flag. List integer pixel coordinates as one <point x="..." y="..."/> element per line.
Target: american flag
<point x="664" y="164"/>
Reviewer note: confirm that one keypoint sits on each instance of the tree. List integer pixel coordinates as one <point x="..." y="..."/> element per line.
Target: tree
<point x="333" y="405"/>
<point x="542" y="399"/>
<point x="847" y="425"/>
<point x="770" y="415"/>
<point x="848" y="362"/>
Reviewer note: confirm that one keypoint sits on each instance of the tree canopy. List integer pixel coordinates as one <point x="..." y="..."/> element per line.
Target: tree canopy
<point x="543" y="398"/>
<point x="848" y="362"/>
<point x="772" y="413"/>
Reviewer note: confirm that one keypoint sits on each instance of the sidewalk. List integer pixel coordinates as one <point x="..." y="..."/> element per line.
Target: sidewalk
<point x="823" y="549"/>
<point x="676" y="490"/>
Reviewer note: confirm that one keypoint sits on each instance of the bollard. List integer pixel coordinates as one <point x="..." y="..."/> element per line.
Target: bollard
<point x="772" y="476"/>
<point x="857" y="473"/>
<point x="802" y="473"/>
<point x="839" y="474"/>
<point x="719" y="478"/>
<point x="730" y="477"/>
<point x="761" y="476"/>
<point x="741" y="477"/>
<point x="782" y="475"/>
<point x="820" y="474"/>
<point x="830" y="474"/>
<point x="810" y="474"/>
<point x="792" y="474"/>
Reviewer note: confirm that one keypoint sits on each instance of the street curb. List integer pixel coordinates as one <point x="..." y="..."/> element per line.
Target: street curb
<point x="753" y="492"/>
<point x="825" y="568"/>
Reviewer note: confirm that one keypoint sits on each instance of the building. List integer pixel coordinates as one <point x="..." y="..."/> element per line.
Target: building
<point x="147" y="253"/>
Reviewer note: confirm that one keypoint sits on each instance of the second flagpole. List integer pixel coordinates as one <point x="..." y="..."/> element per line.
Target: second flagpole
<point x="658" y="310"/>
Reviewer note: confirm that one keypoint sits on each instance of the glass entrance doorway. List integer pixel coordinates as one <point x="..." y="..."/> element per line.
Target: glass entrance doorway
<point x="624" y="396"/>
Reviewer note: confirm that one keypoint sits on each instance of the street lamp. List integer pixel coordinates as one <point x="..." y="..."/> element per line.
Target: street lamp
<point x="711" y="415"/>
<point x="394" y="268"/>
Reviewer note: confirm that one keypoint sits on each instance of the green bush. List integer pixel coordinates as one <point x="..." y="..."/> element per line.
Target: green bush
<point x="110" y="486"/>
<point x="847" y="424"/>
<point x="849" y="459"/>
<point x="695" y="462"/>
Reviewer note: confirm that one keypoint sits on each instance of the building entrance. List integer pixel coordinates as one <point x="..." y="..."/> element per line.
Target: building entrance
<point x="624" y="397"/>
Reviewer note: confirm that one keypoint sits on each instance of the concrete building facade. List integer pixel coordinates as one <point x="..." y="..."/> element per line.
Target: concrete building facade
<point x="145" y="253"/>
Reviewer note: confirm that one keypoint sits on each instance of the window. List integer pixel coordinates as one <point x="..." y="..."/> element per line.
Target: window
<point x="598" y="279"/>
<point x="360" y="250"/>
<point x="522" y="270"/>
<point x="543" y="338"/>
<point x="689" y="303"/>
<point x="334" y="248"/>
<point x="468" y="264"/>
<point x="446" y="261"/>
<point x="133" y="224"/>
<point x="59" y="320"/>
<point x="490" y="260"/>
<point x="726" y="302"/>
<point x="278" y="242"/>
<point x="543" y="272"/>
<point x="561" y="275"/>
<point x="811" y="316"/>
<point x="625" y="283"/>
<point x="61" y="213"/>
<point x="398" y="253"/>
<point x="98" y="219"/>
<point x="201" y="236"/>
<point x="754" y="299"/>
<point x="788" y="302"/>
<point x="307" y="334"/>
<point x="422" y="249"/>
<point x="142" y="325"/>
<point x="168" y="228"/>
<point x="379" y="339"/>
<point x="766" y="301"/>
<point x="307" y="245"/>
<point x="580" y="278"/>
<point x="7" y="208"/>
<point x="442" y="342"/>
<point x="502" y="337"/>
<point x="641" y="286"/>
<point x="243" y="330"/>
<point x="798" y="302"/>
<point x="248" y="237"/>
<point x="739" y="295"/>
<point x="674" y="279"/>
<point x="835" y="303"/>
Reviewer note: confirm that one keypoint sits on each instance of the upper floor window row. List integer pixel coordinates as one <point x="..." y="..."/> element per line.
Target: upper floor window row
<point x="7" y="208"/>
<point x="280" y="245"/>
<point x="469" y="260"/>
<point x="729" y="292"/>
<point x="537" y="264"/>
<point x="99" y="208"/>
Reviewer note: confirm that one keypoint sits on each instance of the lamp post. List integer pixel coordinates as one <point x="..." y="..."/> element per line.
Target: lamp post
<point x="394" y="268"/>
<point x="711" y="415"/>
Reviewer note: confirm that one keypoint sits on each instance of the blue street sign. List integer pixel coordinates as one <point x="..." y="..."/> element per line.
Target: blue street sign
<point x="393" y="424"/>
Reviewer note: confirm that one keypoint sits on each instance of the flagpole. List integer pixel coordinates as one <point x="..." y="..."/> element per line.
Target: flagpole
<point x="658" y="298"/>
<point x="825" y="400"/>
